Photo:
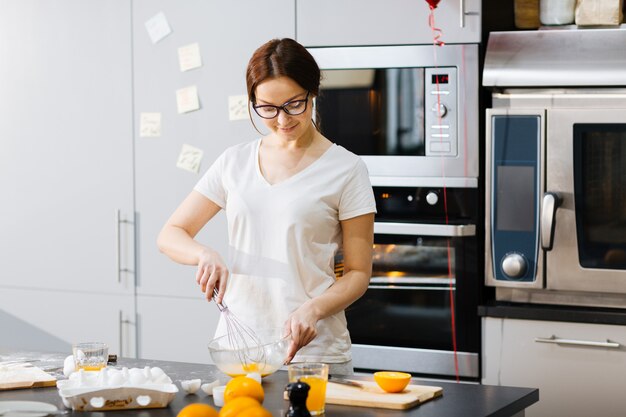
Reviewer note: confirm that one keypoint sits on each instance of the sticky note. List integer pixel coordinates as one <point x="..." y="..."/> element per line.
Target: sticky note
<point x="189" y="158"/>
<point x="157" y="27"/>
<point x="187" y="99"/>
<point x="238" y="107"/>
<point x="189" y="57"/>
<point x="150" y="125"/>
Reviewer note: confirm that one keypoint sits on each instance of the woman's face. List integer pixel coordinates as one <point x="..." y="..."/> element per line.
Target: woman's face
<point x="278" y="92"/>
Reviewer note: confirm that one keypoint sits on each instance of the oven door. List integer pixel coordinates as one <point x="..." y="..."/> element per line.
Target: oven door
<point x="404" y="320"/>
<point x="586" y="170"/>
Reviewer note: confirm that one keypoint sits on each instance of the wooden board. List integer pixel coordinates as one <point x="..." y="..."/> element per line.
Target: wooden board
<point x="24" y="376"/>
<point x="371" y="395"/>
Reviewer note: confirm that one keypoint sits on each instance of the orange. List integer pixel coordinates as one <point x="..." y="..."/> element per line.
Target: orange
<point x="392" y="381"/>
<point x="242" y="386"/>
<point x="197" y="410"/>
<point x="255" y="412"/>
<point x="235" y="406"/>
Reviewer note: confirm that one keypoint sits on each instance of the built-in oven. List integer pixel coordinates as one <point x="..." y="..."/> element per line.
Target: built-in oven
<point x="419" y="312"/>
<point x="410" y="111"/>
<point x="556" y="174"/>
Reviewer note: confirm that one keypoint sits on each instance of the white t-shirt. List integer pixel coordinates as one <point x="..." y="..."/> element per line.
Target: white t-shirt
<point x="283" y="238"/>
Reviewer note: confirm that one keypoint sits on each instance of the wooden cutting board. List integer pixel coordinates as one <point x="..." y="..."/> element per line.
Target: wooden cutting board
<point x="371" y="395"/>
<point x="24" y="376"/>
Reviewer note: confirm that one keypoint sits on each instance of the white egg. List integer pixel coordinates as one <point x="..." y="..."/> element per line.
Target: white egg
<point x="208" y="388"/>
<point x="147" y="374"/>
<point x="116" y="379"/>
<point x="136" y="377"/>
<point x="156" y="372"/>
<point x="190" y="386"/>
<point x="68" y="365"/>
<point x="163" y="379"/>
<point x="255" y="375"/>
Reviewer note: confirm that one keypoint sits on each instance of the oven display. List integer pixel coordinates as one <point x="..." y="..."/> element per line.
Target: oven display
<point x="440" y="78"/>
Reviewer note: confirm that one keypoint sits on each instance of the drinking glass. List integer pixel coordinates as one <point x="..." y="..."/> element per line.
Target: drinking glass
<point x="90" y="356"/>
<point x="316" y="376"/>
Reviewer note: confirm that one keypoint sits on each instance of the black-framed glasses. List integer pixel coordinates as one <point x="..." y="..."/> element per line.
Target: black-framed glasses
<point x="292" y="108"/>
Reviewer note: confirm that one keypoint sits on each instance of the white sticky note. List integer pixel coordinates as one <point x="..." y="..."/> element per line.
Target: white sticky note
<point x="157" y="27"/>
<point x="189" y="57"/>
<point x="190" y="158"/>
<point x="187" y="99"/>
<point x="150" y="125"/>
<point x="238" y="107"/>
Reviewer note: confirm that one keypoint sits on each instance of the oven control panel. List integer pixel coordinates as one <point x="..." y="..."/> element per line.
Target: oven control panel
<point x="441" y="111"/>
<point x="513" y="198"/>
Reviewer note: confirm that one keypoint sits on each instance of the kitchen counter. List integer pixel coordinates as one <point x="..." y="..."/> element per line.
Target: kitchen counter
<point x="527" y="311"/>
<point x="466" y="400"/>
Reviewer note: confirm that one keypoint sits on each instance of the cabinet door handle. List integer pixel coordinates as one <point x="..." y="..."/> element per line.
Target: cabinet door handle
<point x="559" y="341"/>
<point x="118" y="249"/>
<point x="122" y="322"/>
<point x="463" y="13"/>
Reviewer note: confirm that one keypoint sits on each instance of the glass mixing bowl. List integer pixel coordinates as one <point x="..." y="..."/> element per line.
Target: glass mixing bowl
<point x="265" y="359"/>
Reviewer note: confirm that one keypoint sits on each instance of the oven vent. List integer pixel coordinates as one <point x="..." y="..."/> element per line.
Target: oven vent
<point x="556" y="58"/>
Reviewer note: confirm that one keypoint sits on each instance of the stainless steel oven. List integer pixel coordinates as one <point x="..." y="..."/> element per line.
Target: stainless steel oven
<point x="422" y="299"/>
<point x="410" y="111"/>
<point x="556" y="169"/>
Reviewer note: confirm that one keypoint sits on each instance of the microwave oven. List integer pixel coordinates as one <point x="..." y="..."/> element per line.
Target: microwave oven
<point x="410" y="111"/>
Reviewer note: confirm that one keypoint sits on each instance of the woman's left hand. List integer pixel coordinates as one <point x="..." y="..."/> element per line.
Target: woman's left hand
<point x="302" y="326"/>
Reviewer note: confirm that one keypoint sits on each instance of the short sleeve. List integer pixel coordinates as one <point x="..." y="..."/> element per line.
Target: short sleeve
<point x="211" y="185"/>
<point x="357" y="197"/>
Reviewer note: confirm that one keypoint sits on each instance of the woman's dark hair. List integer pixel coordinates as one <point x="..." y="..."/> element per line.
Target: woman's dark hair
<point x="282" y="58"/>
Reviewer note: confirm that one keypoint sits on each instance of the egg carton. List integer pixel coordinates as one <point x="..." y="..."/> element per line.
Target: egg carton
<point x="112" y="389"/>
<point x="118" y="398"/>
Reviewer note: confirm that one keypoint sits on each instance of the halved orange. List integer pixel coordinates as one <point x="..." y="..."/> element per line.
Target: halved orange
<point x="392" y="381"/>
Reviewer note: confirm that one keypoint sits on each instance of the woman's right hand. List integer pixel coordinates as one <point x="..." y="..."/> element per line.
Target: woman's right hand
<point x="212" y="273"/>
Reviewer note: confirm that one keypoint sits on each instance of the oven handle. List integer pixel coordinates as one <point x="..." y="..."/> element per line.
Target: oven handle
<point x="551" y="201"/>
<point x="410" y="287"/>
<point x="425" y="229"/>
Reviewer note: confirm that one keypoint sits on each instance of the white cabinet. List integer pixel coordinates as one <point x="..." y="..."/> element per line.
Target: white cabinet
<point x="175" y="322"/>
<point x="574" y="378"/>
<point x="66" y="171"/>
<point x="66" y="162"/>
<point x="175" y="328"/>
<point x="227" y="34"/>
<point x="51" y="320"/>
<point x="390" y="22"/>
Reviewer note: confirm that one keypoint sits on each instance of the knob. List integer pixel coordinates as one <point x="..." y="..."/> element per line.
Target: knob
<point x="443" y="110"/>
<point x="514" y="265"/>
<point x="432" y="198"/>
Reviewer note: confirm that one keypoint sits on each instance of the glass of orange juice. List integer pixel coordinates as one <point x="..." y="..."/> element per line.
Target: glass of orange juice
<point x="316" y="376"/>
<point x="90" y="356"/>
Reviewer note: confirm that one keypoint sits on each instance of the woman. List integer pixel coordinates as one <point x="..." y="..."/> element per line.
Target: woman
<point x="293" y="199"/>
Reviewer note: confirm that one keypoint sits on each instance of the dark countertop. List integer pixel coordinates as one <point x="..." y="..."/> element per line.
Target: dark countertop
<point x="527" y="311"/>
<point x="466" y="400"/>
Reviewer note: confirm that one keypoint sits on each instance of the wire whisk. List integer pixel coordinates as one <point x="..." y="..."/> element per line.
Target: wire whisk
<point x="242" y="339"/>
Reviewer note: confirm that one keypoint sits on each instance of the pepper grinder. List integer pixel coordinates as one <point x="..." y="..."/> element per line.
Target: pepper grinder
<point x="297" y="393"/>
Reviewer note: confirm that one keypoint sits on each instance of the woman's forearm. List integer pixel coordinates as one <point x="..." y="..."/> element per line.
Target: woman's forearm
<point x="176" y="243"/>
